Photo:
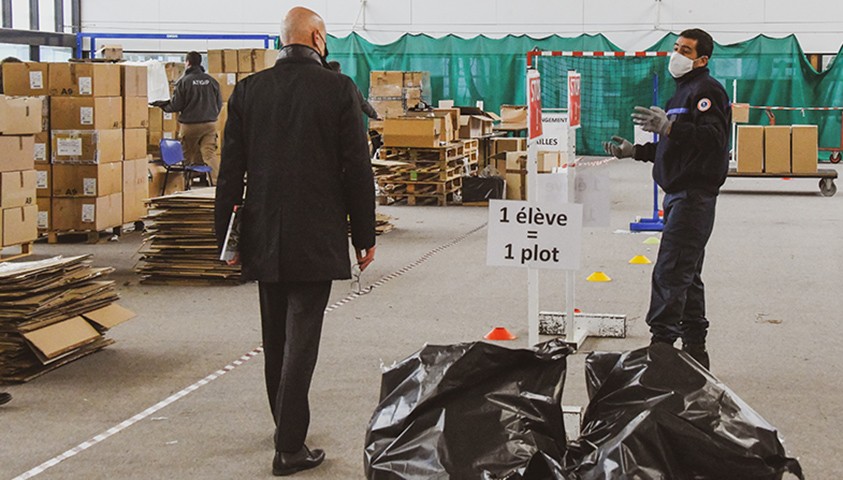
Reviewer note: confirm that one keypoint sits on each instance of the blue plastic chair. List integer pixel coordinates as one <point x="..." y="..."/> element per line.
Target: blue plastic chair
<point x="173" y="158"/>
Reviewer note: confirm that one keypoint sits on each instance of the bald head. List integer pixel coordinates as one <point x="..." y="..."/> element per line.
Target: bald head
<point x="303" y="26"/>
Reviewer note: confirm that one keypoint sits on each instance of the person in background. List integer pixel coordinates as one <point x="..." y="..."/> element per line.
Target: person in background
<point x="2" y="62"/>
<point x="198" y="101"/>
<point x="367" y="107"/>
<point x="690" y="163"/>
<point x="296" y="132"/>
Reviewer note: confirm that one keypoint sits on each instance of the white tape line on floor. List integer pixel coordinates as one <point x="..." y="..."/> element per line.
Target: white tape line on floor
<point x="231" y="366"/>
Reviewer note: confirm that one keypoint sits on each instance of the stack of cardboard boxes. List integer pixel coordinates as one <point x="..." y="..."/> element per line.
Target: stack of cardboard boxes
<point x="83" y="183"/>
<point x="777" y="149"/>
<point x="392" y="93"/>
<point x="20" y="120"/>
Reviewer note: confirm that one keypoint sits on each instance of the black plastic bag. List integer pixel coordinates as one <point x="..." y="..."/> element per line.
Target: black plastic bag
<point x="654" y="413"/>
<point x="480" y="189"/>
<point x="470" y="411"/>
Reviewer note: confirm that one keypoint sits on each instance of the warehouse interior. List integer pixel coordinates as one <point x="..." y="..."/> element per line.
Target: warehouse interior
<point x="128" y="349"/>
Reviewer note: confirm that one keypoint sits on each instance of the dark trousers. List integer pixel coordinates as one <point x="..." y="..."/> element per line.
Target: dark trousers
<point x="677" y="301"/>
<point x="291" y="320"/>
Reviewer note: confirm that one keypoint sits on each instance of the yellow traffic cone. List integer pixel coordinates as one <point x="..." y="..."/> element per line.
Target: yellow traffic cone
<point x="640" y="260"/>
<point x="598" y="277"/>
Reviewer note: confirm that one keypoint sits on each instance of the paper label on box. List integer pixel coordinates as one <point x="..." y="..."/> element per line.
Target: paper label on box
<point x="89" y="186"/>
<point x="86" y="86"/>
<point x="86" y="115"/>
<point x="43" y="220"/>
<point x="231" y="78"/>
<point x="89" y="213"/>
<point x="168" y="116"/>
<point x="41" y="181"/>
<point x="41" y="152"/>
<point x="67" y="147"/>
<point x="36" y="80"/>
<point x="168" y="135"/>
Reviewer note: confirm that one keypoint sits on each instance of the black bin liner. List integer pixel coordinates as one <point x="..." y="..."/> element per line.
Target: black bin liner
<point x="480" y="189"/>
<point x="654" y="413"/>
<point x="466" y="411"/>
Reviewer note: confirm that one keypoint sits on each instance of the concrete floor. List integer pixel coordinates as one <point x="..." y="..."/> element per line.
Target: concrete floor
<point x="773" y="273"/>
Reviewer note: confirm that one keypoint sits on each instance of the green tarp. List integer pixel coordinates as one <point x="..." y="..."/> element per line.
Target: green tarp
<point x="768" y="71"/>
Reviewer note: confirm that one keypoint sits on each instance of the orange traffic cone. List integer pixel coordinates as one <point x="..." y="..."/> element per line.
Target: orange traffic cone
<point x="500" y="334"/>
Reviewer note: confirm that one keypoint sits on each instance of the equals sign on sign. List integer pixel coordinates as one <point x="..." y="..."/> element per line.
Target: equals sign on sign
<point x="532" y="234"/>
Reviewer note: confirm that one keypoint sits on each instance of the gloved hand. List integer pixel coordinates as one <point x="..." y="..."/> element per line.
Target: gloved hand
<point x="618" y="147"/>
<point x="159" y="103"/>
<point x="652" y="119"/>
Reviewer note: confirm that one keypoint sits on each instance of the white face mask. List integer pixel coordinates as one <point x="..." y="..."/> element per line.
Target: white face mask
<point x="679" y="65"/>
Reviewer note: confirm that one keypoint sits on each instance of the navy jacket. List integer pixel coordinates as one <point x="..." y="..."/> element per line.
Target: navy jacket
<point x="196" y="97"/>
<point x="695" y="154"/>
<point x="296" y="132"/>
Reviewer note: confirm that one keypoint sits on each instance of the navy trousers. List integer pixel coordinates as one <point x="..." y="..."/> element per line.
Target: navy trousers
<point x="677" y="299"/>
<point x="291" y="321"/>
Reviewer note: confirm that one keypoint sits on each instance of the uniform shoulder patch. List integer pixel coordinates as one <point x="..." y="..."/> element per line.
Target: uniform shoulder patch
<point x="703" y="105"/>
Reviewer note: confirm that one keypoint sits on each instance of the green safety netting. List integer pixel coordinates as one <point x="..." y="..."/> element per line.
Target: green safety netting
<point x="768" y="71"/>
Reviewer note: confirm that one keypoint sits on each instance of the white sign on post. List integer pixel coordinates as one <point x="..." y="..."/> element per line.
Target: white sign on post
<point x="554" y="132"/>
<point x="534" y="235"/>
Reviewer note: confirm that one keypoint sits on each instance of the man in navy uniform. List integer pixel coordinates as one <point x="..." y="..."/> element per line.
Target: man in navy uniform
<point x="690" y="163"/>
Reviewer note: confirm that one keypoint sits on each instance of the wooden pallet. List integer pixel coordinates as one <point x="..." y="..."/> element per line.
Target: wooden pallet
<point x="422" y="187"/>
<point x="450" y="152"/>
<point x="439" y="193"/>
<point x="91" y="236"/>
<point x="472" y="145"/>
<point x="25" y="251"/>
<point x="423" y="174"/>
<point x="418" y="200"/>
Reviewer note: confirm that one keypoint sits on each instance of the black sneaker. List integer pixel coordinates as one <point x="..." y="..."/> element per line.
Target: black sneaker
<point x="5" y="398"/>
<point x="698" y="352"/>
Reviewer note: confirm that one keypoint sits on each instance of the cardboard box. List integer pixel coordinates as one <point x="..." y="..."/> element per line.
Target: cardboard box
<point x="134" y="143"/>
<point x="222" y="61"/>
<point x="508" y="144"/>
<point x="411" y="132"/>
<point x="513" y="117"/>
<point x="740" y="112"/>
<point x="18" y="189"/>
<point x="389" y="108"/>
<point x="75" y="180"/>
<point x="169" y="121"/>
<point x="134" y="81"/>
<point x="110" y="52"/>
<point x="445" y="123"/>
<point x="44" y="214"/>
<point x="43" y="180"/>
<point x="154" y="144"/>
<point x="20" y="225"/>
<point x="777" y="149"/>
<point x="475" y="123"/>
<point x="255" y="59"/>
<point x="174" y="71"/>
<point x="20" y="115"/>
<point x="87" y="146"/>
<point x="750" y="149"/>
<point x="135" y="112"/>
<point x="227" y="82"/>
<point x="17" y="153"/>
<point x="41" y="147"/>
<point x="384" y="92"/>
<point x="175" y="181"/>
<point x="135" y="189"/>
<point x="415" y="79"/>
<point x="91" y="113"/>
<point x="94" y="213"/>
<point x="26" y="79"/>
<point x="45" y="114"/>
<point x="412" y="97"/>
<point x="379" y="78"/>
<point x="804" y="148"/>
<point x="53" y="341"/>
<point x="516" y="186"/>
<point x="84" y="79"/>
<point x="109" y="317"/>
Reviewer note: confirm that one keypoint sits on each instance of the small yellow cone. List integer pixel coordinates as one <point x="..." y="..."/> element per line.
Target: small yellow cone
<point x="640" y="260"/>
<point x="652" y="241"/>
<point x="598" y="277"/>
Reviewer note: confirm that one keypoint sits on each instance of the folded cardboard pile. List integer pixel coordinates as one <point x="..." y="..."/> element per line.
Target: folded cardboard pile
<point x="53" y="311"/>
<point x="180" y="245"/>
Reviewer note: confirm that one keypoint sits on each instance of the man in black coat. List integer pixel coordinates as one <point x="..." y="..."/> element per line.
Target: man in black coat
<point x="296" y="131"/>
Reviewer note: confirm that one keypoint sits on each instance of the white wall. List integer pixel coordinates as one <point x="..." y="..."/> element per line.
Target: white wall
<point x="631" y="24"/>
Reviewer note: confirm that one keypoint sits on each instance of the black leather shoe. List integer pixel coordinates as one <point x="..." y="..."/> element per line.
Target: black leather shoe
<point x="5" y="398"/>
<point x="289" y="463"/>
<point x="698" y="352"/>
